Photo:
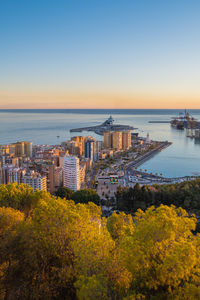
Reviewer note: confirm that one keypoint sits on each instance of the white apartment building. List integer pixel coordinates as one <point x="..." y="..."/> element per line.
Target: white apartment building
<point x="35" y="180"/>
<point x="71" y="174"/>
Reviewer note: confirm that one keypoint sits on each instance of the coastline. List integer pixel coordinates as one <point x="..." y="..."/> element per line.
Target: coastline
<point x="139" y="161"/>
<point x="153" y="178"/>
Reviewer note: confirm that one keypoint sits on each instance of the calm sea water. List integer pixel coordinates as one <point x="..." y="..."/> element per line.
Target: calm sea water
<point x="43" y="127"/>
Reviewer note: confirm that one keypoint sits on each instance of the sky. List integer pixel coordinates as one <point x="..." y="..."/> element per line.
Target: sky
<point x="99" y="54"/>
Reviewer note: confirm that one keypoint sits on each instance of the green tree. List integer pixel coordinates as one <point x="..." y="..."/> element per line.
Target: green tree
<point x="85" y="196"/>
<point x="161" y="252"/>
<point x="19" y="197"/>
<point x="64" y="192"/>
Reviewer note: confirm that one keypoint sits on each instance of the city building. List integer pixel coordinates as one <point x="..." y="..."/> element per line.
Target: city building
<point x="71" y="176"/>
<point x="82" y="168"/>
<point x="108" y="140"/>
<point x="19" y="149"/>
<point x="23" y="149"/>
<point x="117" y="140"/>
<point x="10" y="160"/>
<point x="28" y="149"/>
<point x="1" y="174"/>
<point x="35" y="180"/>
<point x="148" y="141"/>
<point x="126" y="139"/>
<point x="79" y="143"/>
<point x="48" y="170"/>
<point x="72" y="147"/>
<point x="58" y="177"/>
<point x="90" y="149"/>
<point x="105" y="153"/>
<point x="11" y="174"/>
<point x="87" y="162"/>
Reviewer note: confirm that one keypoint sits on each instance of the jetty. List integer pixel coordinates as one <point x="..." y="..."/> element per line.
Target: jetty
<point x="159" y="122"/>
<point x="108" y="125"/>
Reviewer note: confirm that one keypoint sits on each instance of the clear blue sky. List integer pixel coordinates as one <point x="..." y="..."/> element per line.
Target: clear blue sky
<point x="85" y="50"/>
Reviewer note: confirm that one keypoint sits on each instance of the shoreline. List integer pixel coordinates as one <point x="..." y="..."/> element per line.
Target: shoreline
<point x="151" y="154"/>
<point x="143" y="158"/>
<point x="162" y="180"/>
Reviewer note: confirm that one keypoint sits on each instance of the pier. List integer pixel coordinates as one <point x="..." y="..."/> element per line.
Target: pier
<point x="106" y="126"/>
<point x="158" y="122"/>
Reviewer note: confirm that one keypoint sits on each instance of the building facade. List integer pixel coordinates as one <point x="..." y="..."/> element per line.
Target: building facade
<point x="126" y="139"/>
<point x="35" y="180"/>
<point x="71" y="176"/>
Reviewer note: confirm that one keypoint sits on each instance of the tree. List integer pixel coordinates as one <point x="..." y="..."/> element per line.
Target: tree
<point x="20" y="196"/>
<point x="63" y="250"/>
<point x="120" y="225"/>
<point x="161" y="252"/>
<point x="64" y="192"/>
<point x="10" y="221"/>
<point x="85" y="196"/>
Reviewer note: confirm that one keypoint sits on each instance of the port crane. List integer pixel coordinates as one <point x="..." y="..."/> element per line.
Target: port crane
<point x="185" y="121"/>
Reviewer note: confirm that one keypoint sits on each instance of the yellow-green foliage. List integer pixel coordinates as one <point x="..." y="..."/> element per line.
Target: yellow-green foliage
<point x="52" y="248"/>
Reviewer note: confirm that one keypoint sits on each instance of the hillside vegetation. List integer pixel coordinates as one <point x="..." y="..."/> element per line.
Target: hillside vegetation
<point x="52" y="248"/>
<point x="185" y="194"/>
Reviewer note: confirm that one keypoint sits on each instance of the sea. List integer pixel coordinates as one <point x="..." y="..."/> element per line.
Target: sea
<point x="46" y="126"/>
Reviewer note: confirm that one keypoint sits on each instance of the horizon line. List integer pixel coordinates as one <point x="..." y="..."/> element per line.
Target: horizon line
<point x="181" y="108"/>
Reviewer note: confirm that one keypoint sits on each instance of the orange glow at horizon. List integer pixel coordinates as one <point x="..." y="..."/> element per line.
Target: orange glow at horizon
<point x="95" y="100"/>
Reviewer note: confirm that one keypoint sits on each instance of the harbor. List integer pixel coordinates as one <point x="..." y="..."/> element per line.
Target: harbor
<point x="184" y="121"/>
<point x="187" y="122"/>
<point x="179" y="160"/>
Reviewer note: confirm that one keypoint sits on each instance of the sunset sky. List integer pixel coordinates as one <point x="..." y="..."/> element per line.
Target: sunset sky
<point x="99" y="54"/>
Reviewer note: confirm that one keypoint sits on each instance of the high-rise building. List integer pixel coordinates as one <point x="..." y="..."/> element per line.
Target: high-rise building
<point x="79" y="143"/>
<point x="35" y="180"/>
<point x="28" y="149"/>
<point x="71" y="176"/>
<point x="126" y="139"/>
<point x="23" y="149"/>
<point x="91" y="150"/>
<point x="99" y="148"/>
<point x="19" y="149"/>
<point x="108" y="140"/>
<point x="117" y="140"/>
<point x="11" y="148"/>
